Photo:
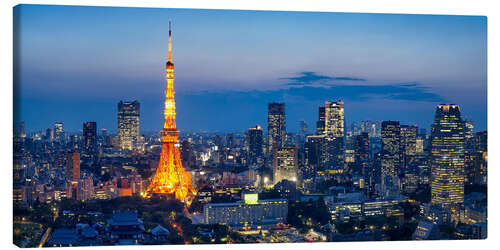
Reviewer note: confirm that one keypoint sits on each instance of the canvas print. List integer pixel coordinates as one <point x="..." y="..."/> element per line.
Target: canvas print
<point x="151" y="126"/>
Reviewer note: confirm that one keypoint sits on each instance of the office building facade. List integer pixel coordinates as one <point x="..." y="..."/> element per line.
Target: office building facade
<point x="276" y="126"/>
<point x="128" y="125"/>
<point x="255" y="141"/>
<point x="90" y="138"/>
<point x="447" y="156"/>
<point x="285" y="164"/>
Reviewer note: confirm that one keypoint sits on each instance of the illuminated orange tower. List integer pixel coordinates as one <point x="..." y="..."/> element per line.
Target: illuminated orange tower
<point x="170" y="177"/>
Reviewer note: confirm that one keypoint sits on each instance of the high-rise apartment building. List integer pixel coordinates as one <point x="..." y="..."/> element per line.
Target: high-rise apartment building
<point x="128" y="125"/>
<point x="469" y="136"/>
<point x="22" y="132"/>
<point x="419" y="145"/>
<point x="476" y="161"/>
<point x="475" y="165"/>
<point x="59" y="131"/>
<point x="334" y="119"/>
<point x="362" y="147"/>
<point x="314" y="153"/>
<point x="49" y="134"/>
<point x="408" y="145"/>
<point x="302" y="128"/>
<point x="285" y="164"/>
<point x="447" y="156"/>
<point x="469" y="130"/>
<point x="481" y="141"/>
<point x="90" y="138"/>
<point x="372" y="128"/>
<point x="365" y="126"/>
<point x="276" y="126"/>
<point x="255" y="141"/>
<point x="391" y="149"/>
<point x="320" y="124"/>
<point x="409" y="139"/>
<point x="334" y="157"/>
<point x="73" y="165"/>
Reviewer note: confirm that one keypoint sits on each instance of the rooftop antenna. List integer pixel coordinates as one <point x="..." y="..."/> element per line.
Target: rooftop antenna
<point x="169" y="40"/>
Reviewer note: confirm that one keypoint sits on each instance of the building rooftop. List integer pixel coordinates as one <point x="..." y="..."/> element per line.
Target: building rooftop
<point x="124" y="219"/>
<point x="63" y="237"/>
<point x="159" y="231"/>
<point x="260" y="202"/>
<point x="426" y="231"/>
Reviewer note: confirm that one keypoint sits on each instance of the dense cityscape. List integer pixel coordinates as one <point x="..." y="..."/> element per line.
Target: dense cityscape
<point x="377" y="181"/>
<point x="327" y="182"/>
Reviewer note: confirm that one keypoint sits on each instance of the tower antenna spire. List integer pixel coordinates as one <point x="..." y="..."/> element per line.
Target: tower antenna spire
<point x="170" y="40"/>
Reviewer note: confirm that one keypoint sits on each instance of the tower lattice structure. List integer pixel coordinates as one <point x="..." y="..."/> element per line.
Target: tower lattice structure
<point x="170" y="177"/>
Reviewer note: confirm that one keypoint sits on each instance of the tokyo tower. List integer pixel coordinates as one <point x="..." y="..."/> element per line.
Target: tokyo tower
<point x="170" y="178"/>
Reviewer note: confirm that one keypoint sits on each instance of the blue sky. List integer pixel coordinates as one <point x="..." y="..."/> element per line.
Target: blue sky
<point x="73" y="64"/>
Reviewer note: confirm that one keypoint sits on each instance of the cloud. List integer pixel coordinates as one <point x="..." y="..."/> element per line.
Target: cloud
<point x="313" y="78"/>
<point x="345" y="78"/>
<point x="311" y="85"/>
<point x="363" y="93"/>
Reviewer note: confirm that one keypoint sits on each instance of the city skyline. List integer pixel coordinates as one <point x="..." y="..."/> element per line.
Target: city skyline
<point x="340" y="63"/>
<point x="382" y="179"/>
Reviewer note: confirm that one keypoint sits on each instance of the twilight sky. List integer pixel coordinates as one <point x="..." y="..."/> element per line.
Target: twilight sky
<point x="74" y="64"/>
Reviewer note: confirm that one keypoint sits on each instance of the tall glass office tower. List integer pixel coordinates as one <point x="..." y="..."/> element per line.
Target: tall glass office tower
<point x="128" y="124"/>
<point x="447" y="156"/>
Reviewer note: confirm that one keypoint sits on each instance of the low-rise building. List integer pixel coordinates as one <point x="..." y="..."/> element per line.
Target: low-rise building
<point x="251" y="214"/>
<point x="426" y="230"/>
<point x="63" y="238"/>
<point x="125" y="228"/>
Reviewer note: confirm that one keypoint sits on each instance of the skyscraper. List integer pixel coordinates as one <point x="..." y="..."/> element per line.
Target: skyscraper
<point x="391" y="149"/>
<point x="409" y="139"/>
<point x="285" y="164"/>
<point x="366" y="126"/>
<point x="419" y="145"/>
<point x="49" y="134"/>
<point x="476" y="161"/>
<point x="276" y="126"/>
<point x="90" y="137"/>
<point x="469" y="136"/>
<point x="171" y="179"/>
<point x="334" y="157"/>
<point x="481" y="141"/>
<point x="362" y="147"/>
<point x="334" y="119"/>
<point x="320" y="124"/>
<point x="104" y="132"/>
<point x="22" y="133"/>
<point x="314" y="152"/>
<point x="301" y="136"/>
<point x="469" y="129"/>
<point x="128" y="125"/>
<point x="255" y="141"/>
<point x="447" y="156"/>
<point x="59" y="131"/>
<point x="302" y="128"/>
<point x="73" y="165"/>
<point x="408" y="145"/>
<point x="475" y="168"/>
